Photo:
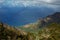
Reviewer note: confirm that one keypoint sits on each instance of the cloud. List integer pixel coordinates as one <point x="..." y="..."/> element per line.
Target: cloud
<point x="29" y="3"/>
<point x="1" y="1"/>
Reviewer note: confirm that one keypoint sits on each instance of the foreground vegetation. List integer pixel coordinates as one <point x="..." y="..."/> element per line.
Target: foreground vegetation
<point x="50" y="32"/>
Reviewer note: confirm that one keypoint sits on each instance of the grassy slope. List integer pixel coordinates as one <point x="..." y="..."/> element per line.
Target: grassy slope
<point x="50" y="32"/>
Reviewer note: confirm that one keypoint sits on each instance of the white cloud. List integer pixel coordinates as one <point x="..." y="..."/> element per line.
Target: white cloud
<point x="37" y="3"/>
<point x="2" y="1"/>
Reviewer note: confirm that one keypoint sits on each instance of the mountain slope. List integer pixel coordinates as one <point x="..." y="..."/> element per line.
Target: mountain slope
<point x="47" y="28"/>
<point x="55" y="18"/>
<point x="10" y="33"/>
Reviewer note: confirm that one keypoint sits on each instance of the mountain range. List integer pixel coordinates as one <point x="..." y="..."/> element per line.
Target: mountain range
<point x="47" y="28"/>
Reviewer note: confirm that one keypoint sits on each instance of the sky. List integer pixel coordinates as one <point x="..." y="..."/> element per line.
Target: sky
<point x="21" y="12"/>
<point x="55" y="4"/>
<point x="25" y="3"/>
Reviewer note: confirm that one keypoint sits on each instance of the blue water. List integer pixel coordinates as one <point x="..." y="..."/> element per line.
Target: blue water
<point x="17" y="16"/>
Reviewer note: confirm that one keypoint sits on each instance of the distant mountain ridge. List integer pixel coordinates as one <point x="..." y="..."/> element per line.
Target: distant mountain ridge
<point x="54" y="18"/>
